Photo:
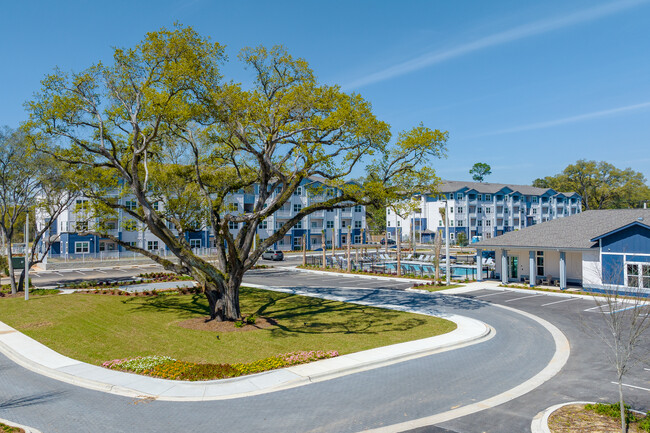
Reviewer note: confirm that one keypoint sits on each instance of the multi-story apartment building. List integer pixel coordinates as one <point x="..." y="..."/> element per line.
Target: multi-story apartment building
<point x="482" y="210"/>
<point x="65" y="238"/>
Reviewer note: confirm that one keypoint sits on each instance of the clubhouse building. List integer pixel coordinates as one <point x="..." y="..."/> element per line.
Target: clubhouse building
<point x="597" y="249"/>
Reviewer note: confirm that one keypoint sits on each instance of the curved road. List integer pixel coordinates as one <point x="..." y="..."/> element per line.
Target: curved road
<point x="371" y="399"/>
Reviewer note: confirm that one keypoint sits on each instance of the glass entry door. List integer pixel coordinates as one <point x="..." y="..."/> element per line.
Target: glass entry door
<point x="513" y="267"/>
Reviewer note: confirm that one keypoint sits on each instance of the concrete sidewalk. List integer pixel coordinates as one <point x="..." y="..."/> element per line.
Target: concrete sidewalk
<point x="36" y="357"/>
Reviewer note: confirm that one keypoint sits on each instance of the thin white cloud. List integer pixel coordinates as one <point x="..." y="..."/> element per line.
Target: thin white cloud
<point x="520" y="32"/>
<point x="571" y="119"/>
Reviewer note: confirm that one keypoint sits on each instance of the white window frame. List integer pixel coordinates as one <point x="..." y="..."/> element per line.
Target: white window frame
<point x="152" y="245"/>
<point x="193" y="243"/>
<point x="82" y="247"/>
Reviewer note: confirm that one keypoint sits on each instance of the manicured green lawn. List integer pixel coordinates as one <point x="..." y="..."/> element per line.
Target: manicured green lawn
<point x="97" y="328"/>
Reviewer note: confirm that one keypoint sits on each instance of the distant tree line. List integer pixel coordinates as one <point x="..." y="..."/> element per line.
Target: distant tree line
<point x="601" y="185"/>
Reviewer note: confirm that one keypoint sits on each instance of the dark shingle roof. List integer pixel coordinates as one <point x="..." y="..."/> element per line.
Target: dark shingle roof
<point x="493" y="188"/>
<point x="572" y="232"/>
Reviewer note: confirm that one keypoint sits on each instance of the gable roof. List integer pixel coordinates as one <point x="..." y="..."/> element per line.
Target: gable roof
<point x="493" y="188"/>
<point x="580" y="231"/>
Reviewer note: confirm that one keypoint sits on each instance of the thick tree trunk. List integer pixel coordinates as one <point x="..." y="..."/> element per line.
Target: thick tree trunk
<point x="223" y="298"/>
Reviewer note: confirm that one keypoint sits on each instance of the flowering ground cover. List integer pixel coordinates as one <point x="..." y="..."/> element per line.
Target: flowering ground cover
<point x="97" y="328"/>
<point x="168" y="368"/>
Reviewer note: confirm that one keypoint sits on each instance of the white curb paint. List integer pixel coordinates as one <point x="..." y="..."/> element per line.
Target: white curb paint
<point x="559" y="359"/>
<point x="43" y="360"/>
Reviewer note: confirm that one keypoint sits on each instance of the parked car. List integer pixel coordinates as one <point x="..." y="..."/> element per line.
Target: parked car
<point x="275" y="255"/>
<point x="390" y="242"/>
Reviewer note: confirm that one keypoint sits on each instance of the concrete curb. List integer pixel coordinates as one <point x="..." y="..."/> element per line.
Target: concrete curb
<point x="24" y="427"/>
<point x="559" y="359"/>
<point x="38" y="358"/>
<point x="367" y="277"/>
<point x="540" y="422"/>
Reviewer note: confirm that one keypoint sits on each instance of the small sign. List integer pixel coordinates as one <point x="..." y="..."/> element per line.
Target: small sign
<point x="18" y="262"/>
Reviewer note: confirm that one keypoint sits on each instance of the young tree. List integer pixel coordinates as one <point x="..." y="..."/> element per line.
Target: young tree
<point x="161" y="117"/>
<point x="624" y="328"/>
<point x="19" y="185"/>
<point x="479" y="171"/>
<point x="461" y="239"/>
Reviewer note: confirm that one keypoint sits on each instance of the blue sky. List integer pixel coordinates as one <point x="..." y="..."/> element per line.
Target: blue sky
<point x="526" y="86"/>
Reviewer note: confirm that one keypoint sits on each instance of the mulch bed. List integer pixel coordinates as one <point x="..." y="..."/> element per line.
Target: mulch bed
<point x="575" y="419"/>
<point x="203" y="324"/>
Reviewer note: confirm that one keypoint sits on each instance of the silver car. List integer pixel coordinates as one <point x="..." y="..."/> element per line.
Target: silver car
<point x="275" y="255"/>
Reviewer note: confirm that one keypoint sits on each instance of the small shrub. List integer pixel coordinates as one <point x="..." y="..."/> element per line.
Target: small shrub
<point x="644" y="424"/>
<point x="612" y="410"/>
<point x="250" y="320"/>
<point x="239" y="323"/>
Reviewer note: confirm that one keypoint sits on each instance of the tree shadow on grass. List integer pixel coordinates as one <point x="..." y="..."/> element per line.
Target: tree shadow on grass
<point x="196" y="306"/>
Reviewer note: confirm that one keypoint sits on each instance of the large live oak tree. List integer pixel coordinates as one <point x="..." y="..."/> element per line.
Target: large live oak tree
<point x="162" y="125"/>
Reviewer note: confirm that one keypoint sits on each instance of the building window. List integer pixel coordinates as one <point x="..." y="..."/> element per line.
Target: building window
<point x="297" y="208"/>
<point x="460" y="210"/>
<point x="263" y="225"/>
<point x="357" y="239"/>
<point x="130" y="225"/>
<point x="480" y="197"/>
<point x="298" y="225"/>
<point x="488" y="223"/>
<point x="314" y="225"/>
<point x="358" y="208"/>
<point x="451" y="235"/>
<point x="330" y="224"/>
<point x="357" y="224"/>
<point x="388" y="211"/>
<point x="488" y="197"/>
<point x="82" y="247"/>
<point x="459" y="223"/>
<point x="131" y="204"/>
<point x="638" y="275"/>
<point x="480" y="209"/>
<point x="535" y="199"/>
<point x="298" y="191"/>
<point x="534" y="211"/>
<point x="459" y="196"/>
<point x="81" y="226"/>
<point x="155" y="206"/>
<point x="195" y="243"/>
<point x="488" y="210"/>
<point x="233" y="207"/>
<point x="439" y="223"/>
<point x="152" y="245"/>
<point x="233" y="225"/>
<point x="480" y="223"/>
<point x="399" y="223"/>
<point x="451" y="223"/>
<point x="540" y="262"/>
<point x="387" y="223"/>
<point x="297" y="242"/>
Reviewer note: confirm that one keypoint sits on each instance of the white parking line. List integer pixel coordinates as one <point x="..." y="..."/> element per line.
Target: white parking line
<point x="490" y="294"/>
<point x="524" y="297"/>
<point x="633" y="386"/>
<point x="58" y="273"/>
<point x="79" y="272"/>
<point x="103" y="272"/>
<point x="557" y="302"/>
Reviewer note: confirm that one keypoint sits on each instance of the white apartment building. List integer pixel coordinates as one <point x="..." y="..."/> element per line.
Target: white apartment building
<point x="336" y="223"/>
<point x="481" y="210"/>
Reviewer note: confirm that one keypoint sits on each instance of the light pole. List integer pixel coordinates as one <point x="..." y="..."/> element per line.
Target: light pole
<point x="26" y="255"/>
<point x="448" y="264"/>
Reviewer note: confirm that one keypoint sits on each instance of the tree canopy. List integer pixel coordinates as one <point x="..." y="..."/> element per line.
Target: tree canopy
<point x="162" y="125"/>
<point x="479" y="171"/>
<point x="601" y="185"/>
